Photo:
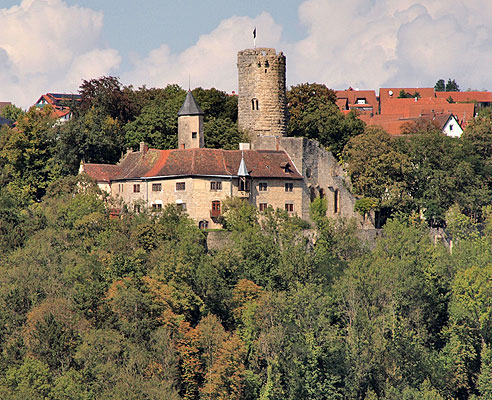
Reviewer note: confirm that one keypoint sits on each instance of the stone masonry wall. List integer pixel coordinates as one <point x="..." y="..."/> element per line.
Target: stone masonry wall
<point x="187" y="124"/>
<point x="322" y="176"/>
<point x="262" y="108"/>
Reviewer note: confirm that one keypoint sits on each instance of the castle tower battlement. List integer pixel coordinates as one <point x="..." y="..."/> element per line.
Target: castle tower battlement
<point x="262" y="106"/>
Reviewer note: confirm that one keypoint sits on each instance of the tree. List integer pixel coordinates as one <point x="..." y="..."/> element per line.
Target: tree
<point x="452" y="86"/>
<point x="107" y="94"/>
<point x="406" y="95"/>
<point x="11" y="112"/>
<point x="93" y="137"/>
<point x="224" y="380"/>
<point x="31" y="380"/>
<point x="27" y="154"/>
<point x="394" y="310"/>
<point x="157" y="126"/>
<point x="314" y="114"/>
<point x="377" y="168"/>
<point x="222" y="133"/>
<point x="436" y="178"/>
<point x="440" y="86"/>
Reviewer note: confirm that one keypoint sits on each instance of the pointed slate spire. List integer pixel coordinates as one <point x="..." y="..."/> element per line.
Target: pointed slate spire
<point x="242" y="171"/>
<point x="190" y="106"/>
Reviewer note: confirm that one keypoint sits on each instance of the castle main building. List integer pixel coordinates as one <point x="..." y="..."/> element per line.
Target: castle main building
<point x="271" y="171"/>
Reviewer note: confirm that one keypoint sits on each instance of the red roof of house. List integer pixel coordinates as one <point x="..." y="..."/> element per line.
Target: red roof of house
<point x="409" y="108"/>
<point x="195" y="162"/>
<point x="353" y="95"/>
<point x="393" y="123"/>
<point x="384" y="93"/>
<point x="101" y="172"/>
<point x="479" y="97"/>
<point x="406" y="107"/>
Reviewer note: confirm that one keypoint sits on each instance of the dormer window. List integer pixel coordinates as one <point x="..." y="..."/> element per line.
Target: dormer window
<point x="361" y="101"/>
<point x="286" y="168"/>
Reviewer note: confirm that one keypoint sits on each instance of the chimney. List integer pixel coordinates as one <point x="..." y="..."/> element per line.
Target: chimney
<point x="143" y="147"/>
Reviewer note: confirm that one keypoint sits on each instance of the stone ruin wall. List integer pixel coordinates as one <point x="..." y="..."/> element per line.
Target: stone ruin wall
<point x="321" y="173"/>
<point x="261" y="76"/>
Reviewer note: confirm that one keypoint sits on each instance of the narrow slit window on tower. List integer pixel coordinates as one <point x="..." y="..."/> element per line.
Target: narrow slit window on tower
<point x="336" y="198"/>
<point x="254" y="104"/>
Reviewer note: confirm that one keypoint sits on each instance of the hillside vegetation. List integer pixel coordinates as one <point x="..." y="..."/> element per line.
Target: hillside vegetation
<point x="138" y="308"/>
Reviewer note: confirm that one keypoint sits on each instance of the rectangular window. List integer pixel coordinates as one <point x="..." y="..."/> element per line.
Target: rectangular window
<point x="263" y="206"/>
<point x="289" y="207"/>
<point x="136" y="208"/>
<point x="262" y="186"/>
<point x="289" y="187"/>
<point x="215" y="185"/>
<point x="193" y="135"/>
<point x="157" y="206"/>
<point x="180" y="186"/>
<point x="136" y="188"/>
<point x="156" y="187"/>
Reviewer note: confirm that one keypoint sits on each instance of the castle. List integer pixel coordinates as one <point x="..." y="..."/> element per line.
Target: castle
<point x="273" y="170"/>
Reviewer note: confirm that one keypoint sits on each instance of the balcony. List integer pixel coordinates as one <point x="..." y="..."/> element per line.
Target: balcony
<point x="243" y="193"/>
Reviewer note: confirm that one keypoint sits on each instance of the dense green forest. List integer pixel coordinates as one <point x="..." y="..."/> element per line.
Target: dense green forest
<point x="139" y="308"/>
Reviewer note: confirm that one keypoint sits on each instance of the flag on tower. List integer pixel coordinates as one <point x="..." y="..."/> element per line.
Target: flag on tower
<point x="254" y="37"/>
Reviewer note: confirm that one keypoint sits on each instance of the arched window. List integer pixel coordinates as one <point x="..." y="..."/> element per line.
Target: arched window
<point x="254" y="104"/>
<point x="312" y="194"/>
<point x="203" y="224"/>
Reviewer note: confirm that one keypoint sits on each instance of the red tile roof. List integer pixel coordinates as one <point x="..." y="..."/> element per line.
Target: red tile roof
<point x="101" y="172"/>
<point x="406" y="107"/>
<point x="393" y="123"/>
<point x="352" y="96"/>
<point x="384" y="93"/>
<point x="479" y="97"/>
<point x="195" y="162"/>
<point x="409" y="108"/>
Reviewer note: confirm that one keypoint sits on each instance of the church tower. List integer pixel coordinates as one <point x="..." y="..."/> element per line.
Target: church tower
<point x="190" y="124"/>
<point x="262" y="108"/>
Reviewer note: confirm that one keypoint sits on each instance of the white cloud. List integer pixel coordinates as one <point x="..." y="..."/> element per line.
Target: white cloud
<point x="46" y="45"/>
<point x="375" y="43"/>
<point x="358" y="43"/>
<point x="211" y="62"/>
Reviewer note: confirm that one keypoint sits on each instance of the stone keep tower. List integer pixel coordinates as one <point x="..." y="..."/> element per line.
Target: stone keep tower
<point x="262" y="108"/>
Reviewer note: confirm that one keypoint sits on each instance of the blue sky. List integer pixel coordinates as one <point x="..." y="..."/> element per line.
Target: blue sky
<point x="52" y="45"/>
